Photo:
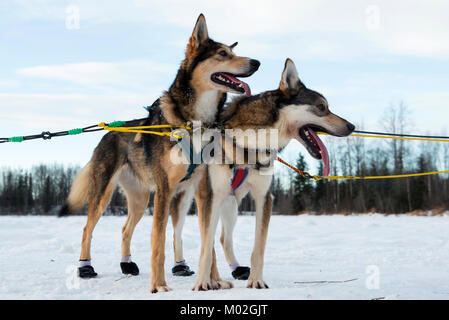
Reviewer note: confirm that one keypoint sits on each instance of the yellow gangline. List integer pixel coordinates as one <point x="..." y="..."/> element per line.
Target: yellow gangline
<point x="307" y="175"/>
<point x="140" y="129"/>
<point x="392" y="137"/>
<point x="380" y="177"/>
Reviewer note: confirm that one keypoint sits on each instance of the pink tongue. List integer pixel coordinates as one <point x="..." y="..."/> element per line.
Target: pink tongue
<point x="245" y="86"/>
<point x="324" y="154"/>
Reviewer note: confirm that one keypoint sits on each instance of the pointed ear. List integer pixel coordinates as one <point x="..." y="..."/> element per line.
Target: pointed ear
<point x="290" y="83"/>
<point x="199" y="34"/>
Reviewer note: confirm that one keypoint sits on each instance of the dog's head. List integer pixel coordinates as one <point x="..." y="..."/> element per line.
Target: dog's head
<point x="214" y="66"/>
<point x="307" y="112"/>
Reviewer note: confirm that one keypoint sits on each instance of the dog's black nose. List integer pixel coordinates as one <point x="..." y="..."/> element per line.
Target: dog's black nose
<point x="351" y="127"/>
<point x="255" y="64"/>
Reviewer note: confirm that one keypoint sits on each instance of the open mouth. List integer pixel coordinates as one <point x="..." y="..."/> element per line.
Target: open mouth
<point x="230" y="81"/>
<point x="315" y="146"/>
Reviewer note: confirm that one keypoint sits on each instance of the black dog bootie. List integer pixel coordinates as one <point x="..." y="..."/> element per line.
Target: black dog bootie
<point x="241" y="273"/>
<point x="129" y="268"/>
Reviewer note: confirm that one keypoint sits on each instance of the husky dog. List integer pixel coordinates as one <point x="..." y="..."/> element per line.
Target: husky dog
<point x="294" y="112"/>
<point x="140" y="163"/>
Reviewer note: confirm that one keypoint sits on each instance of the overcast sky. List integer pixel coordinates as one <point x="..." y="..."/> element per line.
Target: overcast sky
<point x="59" y="72"/>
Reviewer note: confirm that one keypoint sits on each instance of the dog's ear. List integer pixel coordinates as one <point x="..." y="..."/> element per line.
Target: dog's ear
<point x="290" y="83"/>
<point x="199" y="34"/>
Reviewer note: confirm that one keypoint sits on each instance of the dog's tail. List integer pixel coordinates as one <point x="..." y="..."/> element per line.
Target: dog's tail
<point x="79" y="192"/>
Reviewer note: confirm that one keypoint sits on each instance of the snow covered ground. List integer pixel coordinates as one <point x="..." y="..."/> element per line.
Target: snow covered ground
<point x="392" y="257"/>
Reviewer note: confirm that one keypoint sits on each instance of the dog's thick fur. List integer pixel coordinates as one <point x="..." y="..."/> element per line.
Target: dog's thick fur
<point x="141" y="163"/>
<point x="286" y="110"/>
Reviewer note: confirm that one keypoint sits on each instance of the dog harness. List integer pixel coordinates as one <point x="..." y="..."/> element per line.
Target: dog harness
<point x="239" y="174"/>
<point x="238" y="178"/>
<point x="187" y="149"/>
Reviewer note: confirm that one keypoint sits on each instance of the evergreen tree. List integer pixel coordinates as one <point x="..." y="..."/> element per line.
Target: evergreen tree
<point x="319" y="192"/>
<point x="47" y="195"/>
<point x="419" y="185"/>
<point x="302" y="187"/>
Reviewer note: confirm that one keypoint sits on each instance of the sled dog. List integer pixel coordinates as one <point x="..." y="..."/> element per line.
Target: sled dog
<point x="293" y="111"/>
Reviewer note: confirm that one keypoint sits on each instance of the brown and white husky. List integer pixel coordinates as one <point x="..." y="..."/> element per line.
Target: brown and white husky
<point x="292" y="112"/>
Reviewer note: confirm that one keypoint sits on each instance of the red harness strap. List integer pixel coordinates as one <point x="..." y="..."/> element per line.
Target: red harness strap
<point x="238" y="178"/>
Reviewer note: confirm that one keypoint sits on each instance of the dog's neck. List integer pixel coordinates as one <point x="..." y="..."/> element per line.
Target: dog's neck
<point x="206" y="107"/>
<point x="182" y="102"/>
<point x="257" y="113"/>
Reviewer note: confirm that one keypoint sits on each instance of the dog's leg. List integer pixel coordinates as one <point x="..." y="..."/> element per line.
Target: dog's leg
<point x="229" y="212"/>
<point x="215" y="275"/>
<point x="103" y="186"/>
<point x="162" y="197"/>
<point x="263" y="213"/>
<point x="209" y="203"/>
<point x="137" y="198"/>
<point x="208" y="224"/>
<point x="167" y="178"/>
<point x="179" y="207"/>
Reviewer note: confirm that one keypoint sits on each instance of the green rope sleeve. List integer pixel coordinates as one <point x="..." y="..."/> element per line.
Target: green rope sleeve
<point x="116" y="124"/>
<point x="75" y="131"/>
<point x="16" y="139"/>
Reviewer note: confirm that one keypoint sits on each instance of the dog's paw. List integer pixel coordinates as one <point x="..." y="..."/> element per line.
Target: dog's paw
<point x="257" y="284"/>
<point x="206" y="285"/>
<point x="225" y="284"/>
<point x="160" y="289"/>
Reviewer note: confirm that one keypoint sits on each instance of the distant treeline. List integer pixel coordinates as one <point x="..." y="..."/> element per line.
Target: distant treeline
<point x="42" y="189"/>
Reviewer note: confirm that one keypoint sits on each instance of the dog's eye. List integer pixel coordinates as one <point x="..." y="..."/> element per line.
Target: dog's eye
<point x="321" y="107"/>
<point x="223" y="53"/>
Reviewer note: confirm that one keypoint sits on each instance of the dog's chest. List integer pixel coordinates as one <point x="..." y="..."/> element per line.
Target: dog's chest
<point x="206" y="107"/>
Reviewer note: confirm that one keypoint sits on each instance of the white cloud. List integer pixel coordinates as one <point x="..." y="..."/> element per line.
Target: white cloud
<point x="8" y="83"/>
<point x="418" y="28"/>
<point x="64" y="111"/>
<point x="406" y="27"/>
<point x="134" y="74"/>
